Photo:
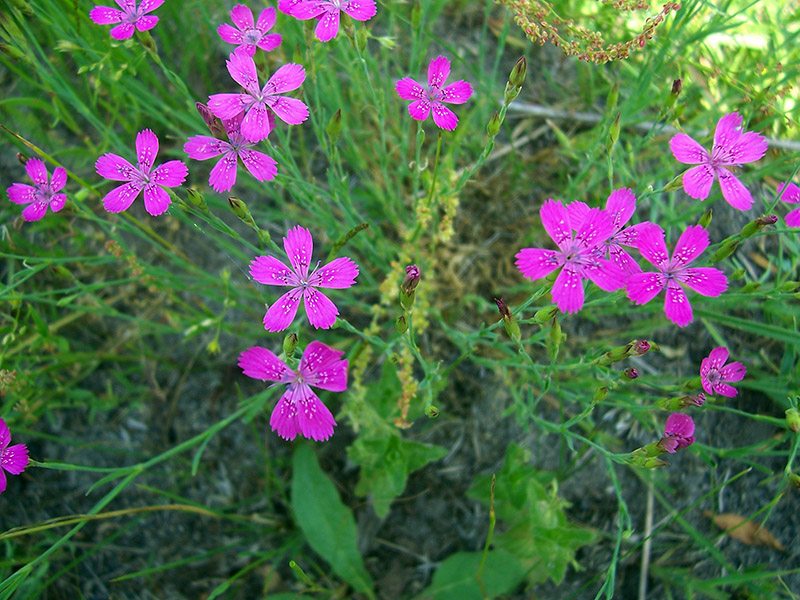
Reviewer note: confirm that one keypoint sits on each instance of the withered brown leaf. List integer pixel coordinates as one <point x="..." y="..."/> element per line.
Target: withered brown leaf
<point x="742" y="530"/>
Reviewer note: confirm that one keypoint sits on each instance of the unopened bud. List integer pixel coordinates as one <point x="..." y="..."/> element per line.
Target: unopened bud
<point x="794" y="479"/>
<point x="705" y="220"/>
<point x="789" y="286"/>
<point x="556" y="337"/>
<point x="653" y="462"/>
<point x="334" y="127"/>
<point x="692" y="384"/>
<point x="431" y="412"/>
<point x="543" y="315"/>
<point x="750" y="287"/>
<point x="197" y="199"/>
<point x="675" y="184"/>
<point x="727" y="248"/>
<point x="673" y="404"/>
<point x="213" y="124"/>
<point x="401" y="324"/>
<point x="493" y="128"/>
<point x="411" y="279"/>
<point x="239" y="208"/>
<point x="616" y="354"/>
<point x="600" y="394"/>
<point x="630" y="373"/>
<point x="639" y="347"/>
<point x="613" y="133"/>
<point x="738" y="274"/>
<point x="754" y="227"/>
<point x="793" y="419"/>
<point x="674" y="93"/>
<point x="290" y="345"/>
<point x="517" y="76"/>
<point x="22" y="158"/>
<point x="416" y="16"/>
<point x="509" y="322"/>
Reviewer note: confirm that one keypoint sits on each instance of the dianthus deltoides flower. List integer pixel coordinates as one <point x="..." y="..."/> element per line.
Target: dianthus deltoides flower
<point x="223" y="175"/>
<point x="789" y="192"/>
<point x="249" y="34"/>
<point x="732" y="148"/>
<point x="643" y="287"/>
<point x="41" y="195"/>
<point x="714" y="373"/>
<point x="578" y="255"/>
<point x="142" y="179"/>
<point x="257" y="102"/>
<point x="428" y="99"/>
<point x="329" y="12"/>
<point x="339" y="273"/>
<point x="13" y="459"/>
<point x="300" y="410"/>
<point x="129" y="18"/>
<point x="678" y="433"/>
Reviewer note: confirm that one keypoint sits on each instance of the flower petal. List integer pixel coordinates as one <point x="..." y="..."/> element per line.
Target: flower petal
<point x="443" y="116"/>
<point x="652" y="246"/>
<point x="2" y="481"/>
<point x="289" y="110"/>
<point x="568" y="290"/>
<point x="172" y="173"/>
<point x="57" y="202"/>
<point x="223" y="175"/>
<point x="697" y="181"/>
<point x="716" y="358"/>
<point x="604" y="274"/>
<point x="115" y="168"/>
<point x="690" y="245"/>
<point x="242" y="17"/>
<point x="120" y="198"/>
<point x="284" y="417"/>
<point x="688" y="151"/>
<point x="103" y="15"/>
<point x="302" y="9"/>
<point x="707" y="281"/>
<point x="734" y="371"/>
<point x="792" y="218"/>
<point x="643" y="287"/>
<point x="596" y="228"/>
<point x="733" y="191"/>
<point x="242" y="69"/>
<point x="340" y="273"/>
<point x="328" y="25"/>
<point x="723" y="389"/>
<point x="287" y="78"/>
<point x="320" y="310"/>
<point x="37" y="171"/>
<point x="146" y="6"/>
<point x="59" y="179"/>
<point x="408" y="89"/>
<point x="313" y="417"/>
<point x="536" y="263"/>
<point x="726" y="135"/>
<point x="203" y="147"/>
<point x="578" y="211"/>
<point x="620" y="257"/>
<point x="156" y="200"/>
<point x="679" y="425"/>
<point x="266" y="19"/>
<point x="19" y="193"/>
<point x="228" y="106"/>
<point x="299" y="247"/>
<point x="35" y="210"/>
<point x="438" y="71"/>
<point x="750" y="147"/>
<point x="360" y="10"/>
<point x="146" y="150"/>
<point x="620" y="206"/>
<point x="555" y="220"/>
<point x="5" y="435"/>
<point x="269" y="42"/>
<point x="457" y="93"/>
<point x="260" y="165"/>
<point x="123" y="31"/>
<point x="146" y="23"/>
<point x="230" y="34"/>
<point x="260" y="363"/>
<point x="287" y="6"/>
<point x="281" y="314"/>
<point x="789" y="192"/>
<point x="323" y="367"/>
<point x="15" y="459"/>
<point x="419" y="109"/>
<point x="270" y="271"/>
<point x="676" y="304"/>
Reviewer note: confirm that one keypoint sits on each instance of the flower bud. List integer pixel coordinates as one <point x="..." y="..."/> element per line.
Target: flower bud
<point x="401" y="324"/>
<point x="543" y="315"/>
<point x="630" y="373"/>
<point x="517" y="76"/>
<point x="408" y="287"/>
<point x="789" y="286"/>
<point x="727" y="248"/>
<point x="334" y="127"/>
<point x="674" y="93"/>
<point x="600" y="394"/>
<point x="556" y="337"/>
<point x="213" y="124"/>
<point x="754" y="227"/>
<point x="675" y="184"/>
<point x="705" y="220"/>
<point x="509" y="322"/>
<point x="416" y="16"/>
<point x="239" y="208"/>
<point x="639" y="347"/>
<point x="673" y="404"/>
<point x="431" y="412"/>
<point x="793" y="419"/>
<point x="197" y="199"/>
<point x="493" y="128"/>
<point x="290" y="345"/>
<point x="616" y="354"/>
<point x="752" y="286"/>
<point x="692" y="384"/>
<point x="613" y="133"/>
<point x="738" y="274"/>
<point x="22" y="158"/>
<point x="794" y="479"/>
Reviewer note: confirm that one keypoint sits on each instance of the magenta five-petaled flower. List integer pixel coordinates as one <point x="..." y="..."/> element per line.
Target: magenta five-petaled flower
<point x="223" y="175"/>
<point x="338" y="274"/>
<point x="428" y="99"/>
<point x="13" y="459"/>
<point x="249" y="34"/>
<point x="44" y="193"/>
<point x="578" y="255"/>
<point x="732" y="148"/>
<point x="257" y="103"/>
<point x="678" y="433"/>
<point x="620" y="206"/>
<point x="300" y="410"/>
<point x="141" y="179"/>
<point x="789" y="192"/>
<point x="129" y="18"/>
<point x="328" y="13"/>
<point x="713" y="374"/>
<point x="707" y="281"/>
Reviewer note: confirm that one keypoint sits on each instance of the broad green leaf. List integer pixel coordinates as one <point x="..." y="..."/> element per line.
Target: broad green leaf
<point x="326" y="523"/>
<point x="455" y="579"/>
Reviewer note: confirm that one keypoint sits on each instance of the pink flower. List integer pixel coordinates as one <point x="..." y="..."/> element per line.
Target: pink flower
<point x="223" y="175"/>
<point x="713" y="374"/>
<point x="338" y="274"/>
<point x="620" y="206"/>
<point x="429" y="98"/>
<point x="577" y="254"/>
<point x="258" y="103"/>
<point x="789" y="192"/>
<point x="300" y="410"/>
<point x="128" y="18"/>
<point x="328" y="12"/>
<point x="143" y="178"/>
<point x="13" y="459"/>
<point x="732" y="147"/>
<point x="43" y="194"/>
<point x="643" y="287"/>
<point x="678" y="433"/>
<point x="247" y="34"/>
